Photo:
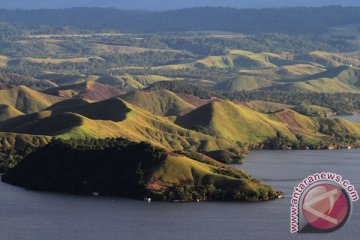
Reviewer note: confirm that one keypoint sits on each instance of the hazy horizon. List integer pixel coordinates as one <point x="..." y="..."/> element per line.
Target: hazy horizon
<point x="158" y="5"/>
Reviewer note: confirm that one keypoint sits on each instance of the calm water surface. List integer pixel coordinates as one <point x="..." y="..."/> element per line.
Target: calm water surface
<point x="43" y="216"/>
<point x="351" y="118"/>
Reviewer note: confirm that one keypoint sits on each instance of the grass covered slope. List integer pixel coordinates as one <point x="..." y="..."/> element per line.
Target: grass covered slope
<point x="7" y="112"/>
<point x="123" y="168"/>
<point x="327" y="59"/>
<point x="90" y="90"/>
<point x="265" y="107"/>
<point x="238" y="123"/>
<point x="113" y="118"/>
<point x="159" y="102"/>
<point x="231" y="121"/>
<point x="26" y="100"/>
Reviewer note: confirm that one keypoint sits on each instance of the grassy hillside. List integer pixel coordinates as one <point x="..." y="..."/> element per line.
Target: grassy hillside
<point x="113" y="118"/>
<point x="244" y="60"/>
<point x="313" y="110"/>
<point x="241" y="124"/>
<point x="243" y="83"/>
<point x="7" y="112"/>
<point x="159" y="102"/>
<point x="327" y="59"/>
<point x="88" y="90"/>
<point x="13" y="79"/>
<point x="26" y="100"/>
<point x="266" y="107"/>
<point x="231" y="121"/>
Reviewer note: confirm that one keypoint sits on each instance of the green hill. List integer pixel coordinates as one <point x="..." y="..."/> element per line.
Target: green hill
<point x="243" y="83"/>
<point x="266" y="107"/>
<point x="244" y="60"/>
<point x="113" y="118"/>
<point x="231" y="121"/>
<point x="343" y="79"/>
<point x="240" y="124"/>
<point x="327" y="59"/>
<point x="344" y="74"/>
<point x="218" y="129"/>
<point x="26" y="100"/>
<point x="86" y="166"/>
<point x="159" y="102"/>
<point x="286" y="73"/>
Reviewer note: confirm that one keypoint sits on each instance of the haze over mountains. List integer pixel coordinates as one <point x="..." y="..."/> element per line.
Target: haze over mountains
<point x="168" y="4"/>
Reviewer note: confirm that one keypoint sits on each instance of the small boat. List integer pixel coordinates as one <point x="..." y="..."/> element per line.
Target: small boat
<point x="95" y="194"/>
<point x="349" y="148"/>
<point x="147" y="200"/>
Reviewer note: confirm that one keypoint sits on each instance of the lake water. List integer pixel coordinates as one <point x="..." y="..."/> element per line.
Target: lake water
<point x="352" y="118"/>
<point x="44" y="216"/>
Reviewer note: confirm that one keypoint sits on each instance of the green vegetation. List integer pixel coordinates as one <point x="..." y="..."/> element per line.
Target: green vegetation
<point x="201" y="92"/>
<point x="14" y="147"/>
<point x="159" y="102"/>
<point x="339" y="103"/>
<point x="123" y="168"/>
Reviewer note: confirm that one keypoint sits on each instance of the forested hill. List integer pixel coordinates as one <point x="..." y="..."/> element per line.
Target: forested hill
<point x="284" y="20"/>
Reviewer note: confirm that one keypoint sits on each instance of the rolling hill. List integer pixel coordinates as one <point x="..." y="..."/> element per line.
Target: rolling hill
<point x="345" y="79"/>
<point x="159" y="102"/>
<point x="241" y="124"/>
<point x="299" y="77"/>
<point x="89" y="90"/>
<point x="231" y="121"/>
<point x="13" y="79"/>
<point x="7" y="112"/>
<point x="26" y="100"/>
<point x="327" y="59"/>
<point x="219" y="128"/>
<point x="215" y="126"/>
<point x="113" y="118"/>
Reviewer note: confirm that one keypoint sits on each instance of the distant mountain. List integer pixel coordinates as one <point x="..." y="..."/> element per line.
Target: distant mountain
<point x="169" y="4"/>
<point x="284" y="20"/>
